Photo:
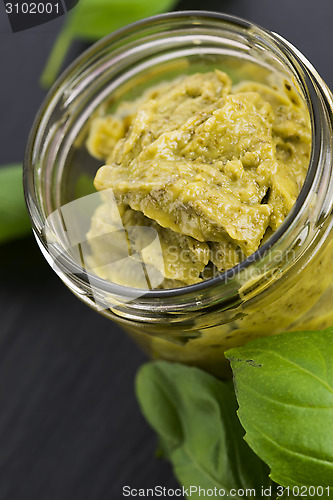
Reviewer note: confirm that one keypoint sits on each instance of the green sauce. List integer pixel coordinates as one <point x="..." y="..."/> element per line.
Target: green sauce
<point x="213" y="169"/>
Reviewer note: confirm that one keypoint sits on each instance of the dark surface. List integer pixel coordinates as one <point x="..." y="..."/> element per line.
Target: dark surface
<point x="70" y="427"/>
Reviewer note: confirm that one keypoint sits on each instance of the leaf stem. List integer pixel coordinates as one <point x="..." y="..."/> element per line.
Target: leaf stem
<point x="56" y="59"/>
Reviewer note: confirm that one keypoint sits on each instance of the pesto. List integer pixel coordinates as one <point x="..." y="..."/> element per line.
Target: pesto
<point x="213" y="169"/>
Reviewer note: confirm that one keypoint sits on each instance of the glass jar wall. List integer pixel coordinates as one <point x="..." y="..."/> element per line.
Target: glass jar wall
<point x="286" y="284"/>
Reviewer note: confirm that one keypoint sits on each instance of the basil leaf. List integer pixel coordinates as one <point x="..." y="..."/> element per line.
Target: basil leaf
<point x="84" y="186"/>
<point x="195" y="417"/>
<point x="14" y="219"/>
<point x="94" y="19"/>
<point x="284" y="387"/>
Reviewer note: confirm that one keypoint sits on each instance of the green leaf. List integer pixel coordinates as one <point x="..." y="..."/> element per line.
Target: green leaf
<point x="84" y="186"/>
<point x="195" y="417"/>
<point x="94" y="19"/>
<point x="284" y="387"/>
<point x="14" y="219"/>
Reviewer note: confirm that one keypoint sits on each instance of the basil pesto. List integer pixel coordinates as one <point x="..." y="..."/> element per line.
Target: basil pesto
<point x="213" y="168"/>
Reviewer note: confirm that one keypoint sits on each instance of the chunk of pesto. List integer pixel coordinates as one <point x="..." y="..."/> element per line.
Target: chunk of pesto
<point x="118" y="249"/>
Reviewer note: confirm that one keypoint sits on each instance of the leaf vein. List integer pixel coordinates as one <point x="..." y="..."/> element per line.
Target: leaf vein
<point x="299" y="367"/>
<point x="268" y="398"/>
<point x="292" y="452"/>
<point x="205" y="472"/>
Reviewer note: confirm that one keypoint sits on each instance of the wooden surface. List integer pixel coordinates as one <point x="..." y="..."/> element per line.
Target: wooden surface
<point x="70" y="428"/>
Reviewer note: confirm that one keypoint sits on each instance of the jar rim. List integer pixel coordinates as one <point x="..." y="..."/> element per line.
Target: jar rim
<point x="69" y="265"/>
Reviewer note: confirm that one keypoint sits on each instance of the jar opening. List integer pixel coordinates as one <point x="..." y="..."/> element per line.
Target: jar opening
<point x="282" y="51"/>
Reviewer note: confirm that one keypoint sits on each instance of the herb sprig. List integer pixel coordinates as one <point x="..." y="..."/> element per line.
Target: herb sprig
<point x="284" y="388"/>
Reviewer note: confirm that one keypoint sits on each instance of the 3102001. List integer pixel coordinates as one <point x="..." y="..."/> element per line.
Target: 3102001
<point x="303" y="491"/>
<point x="32" y="8"/>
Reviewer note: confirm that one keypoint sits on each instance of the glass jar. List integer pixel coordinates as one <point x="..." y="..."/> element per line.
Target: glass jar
<point x="287" y="284"/>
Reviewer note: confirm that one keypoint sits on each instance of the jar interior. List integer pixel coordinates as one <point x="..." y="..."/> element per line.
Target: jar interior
<point x="68" y="168"/>
<point x="78" y="168"/>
